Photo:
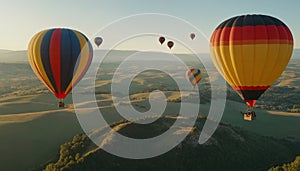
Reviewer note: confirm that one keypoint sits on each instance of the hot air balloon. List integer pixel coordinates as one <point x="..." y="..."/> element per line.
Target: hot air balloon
<point x="193" y="76"/>
<point x="192" y="36"/>
<point x="60" y="57"/>
<point x="251" y="52"/>
<point x="170" y="44"/>
<point x="98" y="41"/>
<point x="161" y="40"/>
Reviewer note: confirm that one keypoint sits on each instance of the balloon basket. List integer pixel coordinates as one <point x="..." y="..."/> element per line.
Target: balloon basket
<point x="61" y="103"/>
<point x="249" y="115"/>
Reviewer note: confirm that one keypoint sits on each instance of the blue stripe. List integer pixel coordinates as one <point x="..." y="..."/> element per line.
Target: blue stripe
<point x="197" y="73"/>
<point x="45" y="57"/>
<point x="70" y="52"/>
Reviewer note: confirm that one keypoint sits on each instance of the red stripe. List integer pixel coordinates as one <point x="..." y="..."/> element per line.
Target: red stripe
<point x="251" y="42"/>
<point x="189" y="72"/>
<point x="252" y="34"/>
<point x="250" y="87"/>
<point x="55" y="44"/>
<point x="250" y="103"/>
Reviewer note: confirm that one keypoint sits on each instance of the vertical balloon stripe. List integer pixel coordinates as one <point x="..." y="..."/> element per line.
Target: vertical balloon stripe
<point x="260" y="51"/>
<point x="38" y="61"/>
<point x="196" y="73"/>
<point x="45" y="58"/>
<point x="88" y="54"/>
<point x="223" y="53"/>
<point x="32" y="55"/>
<point x="198" y="77"/>
<point x="237" y="56"/>
<point x="70" y="54"/>
<point x="39" y="65"/>
<point x="83" y="61"/>
<point x="35" y="60"/>
<point x="270" y="59"/>
<point x="66" y="58"/>
<point x="54" y="54"/>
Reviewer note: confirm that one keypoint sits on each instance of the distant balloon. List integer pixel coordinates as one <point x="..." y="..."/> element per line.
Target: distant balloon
<point x="60" y="57"/>
<point x="98" y="41"/>
<point x="193" y="76"/>
<point x="161" y="40"/>
<point x="170" y="44"/>
<point x="192" y="36"/>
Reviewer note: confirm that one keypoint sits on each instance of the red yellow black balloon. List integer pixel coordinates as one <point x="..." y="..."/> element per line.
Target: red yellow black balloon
<point x="251" y="52"/>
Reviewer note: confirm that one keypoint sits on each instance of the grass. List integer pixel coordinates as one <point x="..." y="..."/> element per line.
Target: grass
<point x="35" y="142"/>
<point x="265" y="124"/>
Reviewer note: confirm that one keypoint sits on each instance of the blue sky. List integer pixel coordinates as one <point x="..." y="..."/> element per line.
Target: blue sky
<point x="20" y="20"/>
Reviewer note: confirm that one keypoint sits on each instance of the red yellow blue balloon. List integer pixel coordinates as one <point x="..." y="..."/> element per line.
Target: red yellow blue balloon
<point x="193" y="76"/>
<point x="60" y="57"/>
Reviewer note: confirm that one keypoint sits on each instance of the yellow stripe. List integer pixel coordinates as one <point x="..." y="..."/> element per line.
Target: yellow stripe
<point x="84" y="57"/>
<point x="221" y="57"/>
<point x="198" y="77"/>
<point x="35" y="56"/>
<point x="251" y="65"/>
<point x="30" y="55"/>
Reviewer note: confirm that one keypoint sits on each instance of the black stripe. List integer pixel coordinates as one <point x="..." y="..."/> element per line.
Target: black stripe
<point x="250" y="94"/>
<point x="251" y="20"/>
<point x="45" y="57"/>
<point x="69" y="54"/>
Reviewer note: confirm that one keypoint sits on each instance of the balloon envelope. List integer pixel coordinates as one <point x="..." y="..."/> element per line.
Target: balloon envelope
<point x="98" y="41"/>
<point x="251" y="52"/>
<point x="193" y="76"/>
<point x="192" y="36"/>
<point x="60" y="57"/>
<point x="161" y="40"/>
<point x="170" y="44"/>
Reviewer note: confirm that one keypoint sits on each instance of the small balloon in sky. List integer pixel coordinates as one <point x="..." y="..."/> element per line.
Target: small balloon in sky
<point x="170" y="44"/>
<point x="98" y="41"/>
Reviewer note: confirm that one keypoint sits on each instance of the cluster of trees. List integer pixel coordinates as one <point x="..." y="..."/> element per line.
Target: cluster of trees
<point x="286" y="99"/>
<point x="293" y="166"/>
<point x="70" y="153"/>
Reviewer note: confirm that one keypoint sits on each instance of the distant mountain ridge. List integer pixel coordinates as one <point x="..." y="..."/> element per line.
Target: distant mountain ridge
<point x="21" y="56"/>
<point x="296" y="54"/>
<point x="5" y="51"/>
<point x="9" y="56"/>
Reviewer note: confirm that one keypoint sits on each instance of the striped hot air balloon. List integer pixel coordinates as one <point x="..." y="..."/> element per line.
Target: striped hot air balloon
<point x="251" y="52"/>
<point x="60" y="57"/>
<point x="193" y="76"/>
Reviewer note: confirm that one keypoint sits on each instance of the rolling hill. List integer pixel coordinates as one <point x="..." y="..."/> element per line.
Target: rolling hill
<point x="8" y="56"/>
<point x="230" y="148"/>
